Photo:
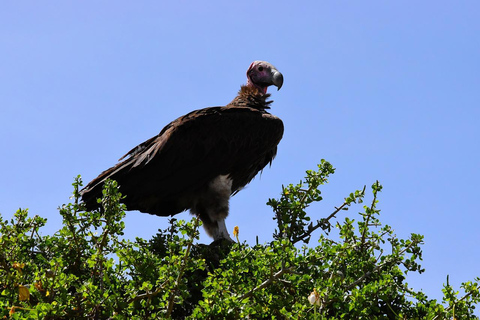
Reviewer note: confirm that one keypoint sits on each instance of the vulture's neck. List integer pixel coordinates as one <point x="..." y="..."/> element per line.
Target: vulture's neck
<point x="251" y="97"/>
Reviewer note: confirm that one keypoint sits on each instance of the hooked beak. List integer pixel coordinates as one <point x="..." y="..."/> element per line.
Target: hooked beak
<point x="277" y="79"/>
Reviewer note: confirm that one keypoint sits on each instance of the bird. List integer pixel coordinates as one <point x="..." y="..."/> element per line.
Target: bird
<point x="198" y="161"/>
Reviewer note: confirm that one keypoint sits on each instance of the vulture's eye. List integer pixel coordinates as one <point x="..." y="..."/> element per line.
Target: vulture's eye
<point x="260" y="68"/>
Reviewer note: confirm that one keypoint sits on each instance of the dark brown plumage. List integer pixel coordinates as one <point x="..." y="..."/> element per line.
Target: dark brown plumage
<point x="200" y="159"/>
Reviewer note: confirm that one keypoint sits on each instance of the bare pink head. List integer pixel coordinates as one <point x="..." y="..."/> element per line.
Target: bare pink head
<point x="262" y="74"/>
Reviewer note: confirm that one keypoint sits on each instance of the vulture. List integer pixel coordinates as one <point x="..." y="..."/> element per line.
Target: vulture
<point x="201" y="159"/>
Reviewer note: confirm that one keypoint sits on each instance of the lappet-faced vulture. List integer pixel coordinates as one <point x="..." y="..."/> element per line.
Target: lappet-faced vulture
<point x="201" y="159"/>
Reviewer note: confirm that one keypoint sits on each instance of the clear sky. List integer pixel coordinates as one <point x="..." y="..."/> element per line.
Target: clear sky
<point x="382" y="90"/>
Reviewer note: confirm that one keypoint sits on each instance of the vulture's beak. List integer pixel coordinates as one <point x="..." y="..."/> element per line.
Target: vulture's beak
<point x="277" y="79"/>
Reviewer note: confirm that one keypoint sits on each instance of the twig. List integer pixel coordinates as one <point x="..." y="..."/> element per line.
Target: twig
<point x="266" y="282"/>
<point x="148" y="294"/>
<point x="320" y="223"/>
<point x="453" y="305"/>
<point x="372" y="206"/>
<point x="377" y="268"/>
<point x="306" y="193"/>
<point x="182" y="270"/>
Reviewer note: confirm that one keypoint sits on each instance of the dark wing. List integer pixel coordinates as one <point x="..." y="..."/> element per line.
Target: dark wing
<point x="161" y="175"/>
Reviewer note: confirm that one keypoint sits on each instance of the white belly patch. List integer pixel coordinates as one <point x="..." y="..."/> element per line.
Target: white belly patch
<point x="221" y="185"/>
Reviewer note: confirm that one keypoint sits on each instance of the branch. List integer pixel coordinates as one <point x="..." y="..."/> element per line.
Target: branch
<point x="364" y="232"/>
<point x="182" y="269"/>
<point x="267" y="282"/>
<point x="147" y="294"/>
<point x="377" y="268"/>
<point x="455" y="303"/>
<point x="306" y="193"/>
<point x="320" y="223"/>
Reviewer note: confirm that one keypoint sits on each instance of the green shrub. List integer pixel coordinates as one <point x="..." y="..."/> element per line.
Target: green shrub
<point x="357" y="268"/>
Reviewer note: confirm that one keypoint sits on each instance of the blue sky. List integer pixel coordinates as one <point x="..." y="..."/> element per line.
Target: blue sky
<point x="382" y="90"/>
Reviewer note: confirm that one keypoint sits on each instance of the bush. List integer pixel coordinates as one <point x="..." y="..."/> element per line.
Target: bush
<point x="356" y="270"/>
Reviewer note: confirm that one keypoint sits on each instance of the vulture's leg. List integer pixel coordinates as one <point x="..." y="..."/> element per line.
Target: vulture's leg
<point x="212" y="207"/>
<point x="221" y="231"/>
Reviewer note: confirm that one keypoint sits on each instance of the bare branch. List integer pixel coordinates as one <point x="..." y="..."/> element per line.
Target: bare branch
<point x="320" y="223"/>
<point x="267" y="282"/>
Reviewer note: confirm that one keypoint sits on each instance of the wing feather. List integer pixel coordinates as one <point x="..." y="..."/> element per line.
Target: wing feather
<point x="160" y="175"/>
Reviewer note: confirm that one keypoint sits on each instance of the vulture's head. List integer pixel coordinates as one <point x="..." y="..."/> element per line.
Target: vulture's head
<point x="262" y="74"/>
